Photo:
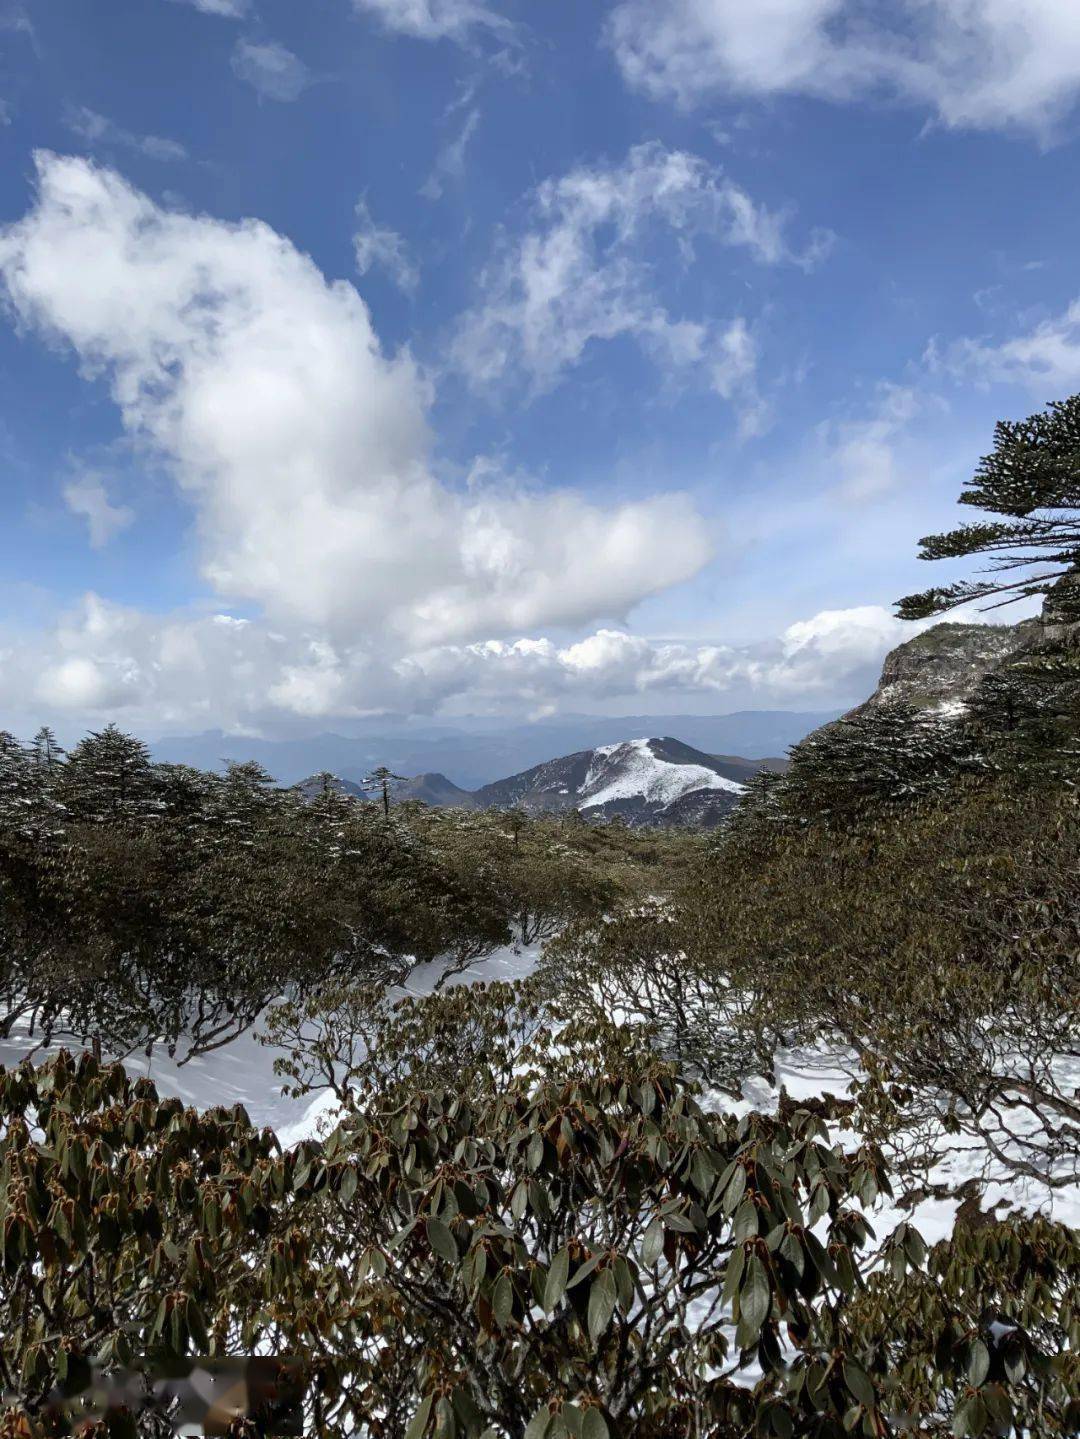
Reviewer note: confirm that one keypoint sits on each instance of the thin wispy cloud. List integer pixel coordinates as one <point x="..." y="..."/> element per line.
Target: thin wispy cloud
<point x="271" y="69"/>
<point x="377" y="246"/>
<point x="226" y="9"/>
<point x="1042" y="358"/>
<point x="450" y="163"/>
<point x="457" y="20"/>
<point x="580" y="275"/>
<point x="96" y="131"/>
<point x="88" y="498"/>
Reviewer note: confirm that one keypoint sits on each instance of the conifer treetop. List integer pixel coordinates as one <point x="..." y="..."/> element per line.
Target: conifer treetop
<point x="1031" y="479"/>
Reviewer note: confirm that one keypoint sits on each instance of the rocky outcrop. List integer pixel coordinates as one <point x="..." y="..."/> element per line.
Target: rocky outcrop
<point x="940" y="668"/>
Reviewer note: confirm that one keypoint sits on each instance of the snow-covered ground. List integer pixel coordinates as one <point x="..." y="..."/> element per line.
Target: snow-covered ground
<point x="242" y="1072"/>
<point x="807" y="1073"/>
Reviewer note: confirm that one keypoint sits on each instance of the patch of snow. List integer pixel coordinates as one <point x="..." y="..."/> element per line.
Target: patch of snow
<point x="632" y="771"/>
<point x="950" y="709"/>
<point x="242" y="1071"/>
<point x="825" y="1070"/>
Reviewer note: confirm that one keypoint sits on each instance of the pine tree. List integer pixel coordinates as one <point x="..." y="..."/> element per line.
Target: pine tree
<point x="46" y="750"/>
<point x="110" y="776"/>
<point x="888" y="754"/>
<point x="16" y="783"/>
<point x="761" y="805"/>
<point x="1032" y="479"/>
<point x="242" y="798"/>
<point x="1027" y="713"/>
<point x="381" y="782"/>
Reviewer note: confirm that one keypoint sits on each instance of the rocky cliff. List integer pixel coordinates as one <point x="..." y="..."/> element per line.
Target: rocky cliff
<point x="940" y="668"/>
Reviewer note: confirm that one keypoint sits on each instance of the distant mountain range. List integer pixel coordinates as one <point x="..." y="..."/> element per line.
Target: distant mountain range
<point x="644" y="781"/>
<point x="476" y="752"/>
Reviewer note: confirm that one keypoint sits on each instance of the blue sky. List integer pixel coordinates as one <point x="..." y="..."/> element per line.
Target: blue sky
<point x="442" y="356"/>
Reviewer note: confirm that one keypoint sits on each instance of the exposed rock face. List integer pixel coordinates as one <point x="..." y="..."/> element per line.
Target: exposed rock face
<point x="940" y="668"/>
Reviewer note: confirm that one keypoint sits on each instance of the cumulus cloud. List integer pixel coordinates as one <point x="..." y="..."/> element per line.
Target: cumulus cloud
<point x="303" y="447"/>
<point x="188" y="671"/>
<point x="436" y="19"/>
<point x="974" y="63"/>
<point x="271" y="69"/>
<point x="1045" y="359"/>
<point x="88" y="498"/>
<point x="94" y="130"/>
<point x="580" y="275"/>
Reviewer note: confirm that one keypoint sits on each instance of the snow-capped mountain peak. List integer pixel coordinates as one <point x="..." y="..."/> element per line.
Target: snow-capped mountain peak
<point x="641" y="769"/>
<point x="649" y="781"/>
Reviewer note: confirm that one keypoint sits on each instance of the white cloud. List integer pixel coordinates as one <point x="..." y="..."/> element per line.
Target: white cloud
<point x="436" y="19"/>
<point x="450" y="163"/>
<point x="271" y="69"/>
<point x="377" y="245"/>
<point x="301" y="446"/>
<point x="862" y="454"/>
<point x="1045" y="360"/>
<point x="94" y="129"/>
<point x="227" y="9"/>
<point x="185" y="671"/>
<point x="580" y="276"/>
<point x="975" y="63"/>
<point x="89" y="498"/>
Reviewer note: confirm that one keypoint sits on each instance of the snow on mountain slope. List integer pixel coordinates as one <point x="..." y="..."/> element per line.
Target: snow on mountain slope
<point x="639" y="769"/>
<point x="658" y="781"/>
<point x="642" y="781"/>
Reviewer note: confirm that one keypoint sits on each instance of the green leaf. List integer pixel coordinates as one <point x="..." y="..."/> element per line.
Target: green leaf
<point x="652" y="1246"/>
<point x="442" y="1241"/>
<point x="755" y="1297"/>
<point x="502" y="1299"/>
<point x="538" y="1424"/>
<point x="859" y="1384"/>
<point x="418" y="1423"/>
<point x="349" y="1181"/>
<point x="602" y="1298"/>
<point x="594" y="1425"/>
<point x="978" y="1363"/>
<point x="733" y="1274"/>
<point x="555" y="1286"/>
<point x="196" y="1324"/>
<point x="961" y="1426"/>
<point x="445" y="1423"/>
<point x="735" y="1190"/>
<point x="745" y="1225"/>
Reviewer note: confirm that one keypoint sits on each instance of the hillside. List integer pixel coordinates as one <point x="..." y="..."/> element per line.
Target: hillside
<point x="650" y="781"/>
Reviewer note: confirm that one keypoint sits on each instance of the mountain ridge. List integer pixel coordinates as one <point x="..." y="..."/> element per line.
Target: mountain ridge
<point x="645" y="781"/>
<point x="484" y="751"/>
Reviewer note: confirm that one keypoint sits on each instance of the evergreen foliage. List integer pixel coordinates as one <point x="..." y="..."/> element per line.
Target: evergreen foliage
<point x="554" y="1255"/>
<point x="1032" y="479"/>
<point x="533" y="1219"/>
